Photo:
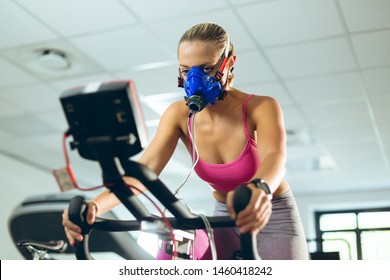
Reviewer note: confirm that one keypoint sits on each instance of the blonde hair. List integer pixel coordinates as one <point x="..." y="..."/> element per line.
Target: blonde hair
<point x="208" y="32"/>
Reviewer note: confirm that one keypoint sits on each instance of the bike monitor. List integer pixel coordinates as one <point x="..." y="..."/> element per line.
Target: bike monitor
<point x="105" y="115"/>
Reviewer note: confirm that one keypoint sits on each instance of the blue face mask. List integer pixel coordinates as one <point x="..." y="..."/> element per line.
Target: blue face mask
<point x="202" y="90"/>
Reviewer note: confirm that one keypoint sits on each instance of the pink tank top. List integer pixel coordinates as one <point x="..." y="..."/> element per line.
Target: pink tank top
<point x="226" y="177"/>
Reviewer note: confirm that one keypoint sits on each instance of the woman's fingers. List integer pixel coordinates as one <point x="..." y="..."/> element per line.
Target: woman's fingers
<point x="262" y="220"/>
<point x="91" y="212"/>
<point x="72" y="231"/>
<point x="256" y="214"/>
<point x="229" y="203"/>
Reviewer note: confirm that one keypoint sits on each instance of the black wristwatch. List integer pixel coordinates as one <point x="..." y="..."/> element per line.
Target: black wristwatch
<point x="261" y="184"/>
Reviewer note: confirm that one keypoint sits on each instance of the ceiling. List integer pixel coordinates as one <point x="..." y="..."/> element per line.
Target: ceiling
<point x="326" y="61"/>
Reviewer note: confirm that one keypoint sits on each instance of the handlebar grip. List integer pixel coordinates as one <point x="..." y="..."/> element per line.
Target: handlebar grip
<point x="77" y="212"/>
<point x="241" y="198"/>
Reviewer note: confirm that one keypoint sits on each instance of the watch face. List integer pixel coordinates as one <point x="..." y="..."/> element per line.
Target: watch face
<point x="265" y="187"/>
<point x="262" y="185"/>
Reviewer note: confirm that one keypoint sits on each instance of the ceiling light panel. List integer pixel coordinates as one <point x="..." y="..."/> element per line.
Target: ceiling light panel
<point x="344" y="131"/>
<point x="372" y="49"/>
<point x="243" y="68"/>
<point x="153" y="81"/>
<point x="322" y="89"/>
<point x="323" y="57"/>
<point x="151" y="10"/>
<point x="301" y="152"/>
<point x="55" y="119"/>
<point x="245" y="2"/>
<point x="377" y="81"/>
<point x="25" y="28"/>
<point x="24" y="127"/>
<point x="81" y="80"/>
<point x="297" y="20"/>
<point x="7" y="109"/>
<point x="11" y="75"/>
<point x="293" y="119"/>
<point x="363" y="15"/>
<point x="123" y="48"/>
<point x="357" y="148"/>
<point x="380" y="104"/>
<point x="33" y="98"/>
<point x="347" y="111"/>
<point x="384" y="130"/>
<point x="73" y="17"/>
<point x="363" y="166"/>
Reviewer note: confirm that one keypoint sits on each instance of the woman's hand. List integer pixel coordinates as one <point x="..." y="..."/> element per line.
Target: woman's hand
<point x="255" y="215"/>
<point x="72" y="231"/>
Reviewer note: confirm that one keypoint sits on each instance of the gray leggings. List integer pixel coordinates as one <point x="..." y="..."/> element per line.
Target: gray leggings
<point x="283" y="237"/>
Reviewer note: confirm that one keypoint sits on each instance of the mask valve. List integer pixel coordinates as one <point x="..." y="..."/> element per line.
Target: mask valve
<point x="195" y="103"/>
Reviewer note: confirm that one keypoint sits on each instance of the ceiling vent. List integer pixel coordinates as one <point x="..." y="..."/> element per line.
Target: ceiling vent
<point x="52" y="60"/>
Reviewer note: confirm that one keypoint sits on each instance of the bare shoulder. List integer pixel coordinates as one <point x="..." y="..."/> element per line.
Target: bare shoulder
<point x="176" y="110"/>
<point x="175" y="115"/>
<point x="263" y="105"/>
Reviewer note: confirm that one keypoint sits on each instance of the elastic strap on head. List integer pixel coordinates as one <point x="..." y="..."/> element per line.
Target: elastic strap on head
<point x="180" y="81"/>
<point x="224" y="59"/>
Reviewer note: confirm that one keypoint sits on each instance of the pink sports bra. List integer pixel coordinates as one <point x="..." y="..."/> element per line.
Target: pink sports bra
<point x="226" y="177"/>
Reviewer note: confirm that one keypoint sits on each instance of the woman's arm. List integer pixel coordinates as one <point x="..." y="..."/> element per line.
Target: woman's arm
<point x="160" y="150"/>
<point x="267" y="118"/>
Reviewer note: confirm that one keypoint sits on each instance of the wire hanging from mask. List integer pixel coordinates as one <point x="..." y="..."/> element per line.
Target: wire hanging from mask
<point x="195" y="154"/>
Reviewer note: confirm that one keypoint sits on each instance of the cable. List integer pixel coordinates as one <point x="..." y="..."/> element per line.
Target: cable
<point x="195" y="157"/>
<point x="74" y="181"/>
<point x="210" y="234"/>
<point x="195" y="154"/>
<point x="166" y="221"/>
<point x="70" y="170"/>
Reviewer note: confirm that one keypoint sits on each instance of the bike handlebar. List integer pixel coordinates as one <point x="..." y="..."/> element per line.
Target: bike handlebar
<point x="183" y="217"/>
<point x="242" y="195"/>
<point x="77" y="214"/>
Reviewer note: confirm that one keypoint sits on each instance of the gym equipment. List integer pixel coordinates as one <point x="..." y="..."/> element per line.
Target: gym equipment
<point x="106" y="123"/>
<point x="36" y="228"/>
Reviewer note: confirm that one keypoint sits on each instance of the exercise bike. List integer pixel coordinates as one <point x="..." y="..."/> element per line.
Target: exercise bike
<point x="106" y="124"/>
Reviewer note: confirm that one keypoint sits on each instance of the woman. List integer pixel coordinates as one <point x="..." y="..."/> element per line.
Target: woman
<point x="238" y="139"/>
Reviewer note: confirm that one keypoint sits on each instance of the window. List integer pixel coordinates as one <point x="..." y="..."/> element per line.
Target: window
<point x="360" y="234"/>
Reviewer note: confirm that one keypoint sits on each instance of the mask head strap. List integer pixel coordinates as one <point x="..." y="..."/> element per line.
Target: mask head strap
<point x="180" y="80"/>
<point x="224" y="59"/>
